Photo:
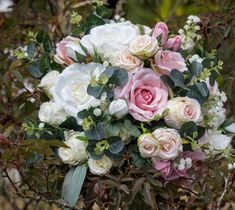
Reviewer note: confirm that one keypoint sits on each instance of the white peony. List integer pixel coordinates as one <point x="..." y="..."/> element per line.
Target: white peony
<point x="218" y="141"/>
<point x="126" y="60"/>
<point x="51" y="113"/>
<point x="181" y="110"/>
<point x="110" y="38"/>
<point x="71" y="89"/>
<point x="76" y="151"/>
<point x="49" y="80"/>
<point x="144" y="46"/>
<point x="119" y="108"/>
<point x="101" y="166"/>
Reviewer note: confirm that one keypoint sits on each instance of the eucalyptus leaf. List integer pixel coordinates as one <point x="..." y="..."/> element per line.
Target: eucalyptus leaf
<point x="116" y="144"/>
<point x="73" y="184"/>
<point x="178" y="79"/>
<point x="203" y="89"/>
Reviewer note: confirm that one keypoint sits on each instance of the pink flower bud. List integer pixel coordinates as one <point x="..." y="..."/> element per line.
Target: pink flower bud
<point x="174" y="43"/>
<point x="161" y="29"/>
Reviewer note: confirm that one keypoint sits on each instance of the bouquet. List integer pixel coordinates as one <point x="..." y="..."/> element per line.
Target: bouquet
<point x="129" y="103"/>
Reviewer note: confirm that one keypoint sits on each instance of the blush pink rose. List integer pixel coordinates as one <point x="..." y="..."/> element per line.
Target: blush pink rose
<point x="163" y="167"/>
<point x="62" y="56"/>
<point x="170" y="143"/>
<point x="161" y="29"/>
<point x="166" y="61"/>
<point x="145" y="93"/>
<point x="174" y="43"/>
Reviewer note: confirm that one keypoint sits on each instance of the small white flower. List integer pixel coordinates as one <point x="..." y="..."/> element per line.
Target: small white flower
<point x="76" y="151"/>
<point x="51" y="113"/>
<point x="181" y="165"/>
<point x="97" y="112"/>
<point x="188" y="162"/>
<point x="41" y="125"/>
<point x="105" y="63"/>
<point x="101" y="166"/>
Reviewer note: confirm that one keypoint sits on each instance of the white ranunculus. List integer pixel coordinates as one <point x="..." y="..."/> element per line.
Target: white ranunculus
<point x="144" y="46"/>
<point x="126" y="60"/>
<point x="71" y="89"/>
<point x="101" y="166"/>
<point x="170" y="143"/>
<point x="76" y="151"/>
<point x="119" y="108"/>
<point x="148" y="145"/>
<point x="49" y="80"/>
<point x="181" y="110"/>
<point x="51" y="113"/>
<point x="110" y="38"/>
<point x="230" y="128"/>
<point x="218" y="141"/>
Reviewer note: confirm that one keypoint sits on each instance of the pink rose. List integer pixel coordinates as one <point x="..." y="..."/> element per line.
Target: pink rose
<point x="167" y="60"/>
<point x="61" y="56"/>
<point x="196" y="156"/>
<point x="174" y="43"/>
<point x="163" y="167"/>
<point x="170" y="143"/>
<point x="212" y="89"/>
<point x="145" y="93"/>
<point x="161" y="29"/>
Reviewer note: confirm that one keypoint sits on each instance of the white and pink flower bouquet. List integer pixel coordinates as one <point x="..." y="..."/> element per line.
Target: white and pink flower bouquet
<point x="128" y="97"/>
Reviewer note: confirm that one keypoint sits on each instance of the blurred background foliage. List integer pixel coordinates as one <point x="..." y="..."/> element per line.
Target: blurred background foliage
<point x="19" y="96"/>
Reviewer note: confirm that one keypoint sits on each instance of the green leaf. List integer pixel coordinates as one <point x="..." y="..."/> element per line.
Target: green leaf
<point x="95" y="91"/>
<point x="83" y="114"/>
<point x="47" y="46"/>
<point x="70" y="123"/>
<point x="34" y="70"/>
<point x="119" y="76"/>
<point x="168" y="81"/>
<point x="196" y="94"/>
<point x="44" y="64"/>
<point x="104" y="12"/>
<point x="92" y="21"/>
<point x="96" y="132"/>
<point x="40" y="36"/>
<point x="178" y="79"/>
<point x="203" y="89"/>
<point x="132" y="129"/>
<point x="113" y="129"/>
<point x="73" y="184"/>
<point x="188" y="128"/>
<point x="116" y="144"/>
<point x="196" y="68"/>
<point x="31" y="49"/>
<point x="212" y="78"/>
<point x="80" y="58"/>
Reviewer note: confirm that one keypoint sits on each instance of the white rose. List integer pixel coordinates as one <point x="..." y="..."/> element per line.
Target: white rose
<point x="144" y="46"/>
<point x="71" y="89"/>
<point x="218" y="141"/>
<point x="101" y="166"/>
<point x="181" y="110"/>
<point x="110" y="38"/>
<point x="170" y="143"/>
<point x="51" y="113"/>
<point x="76" y="151"/>
<point x="126" y="60"/>
<point x="148" y="145"/>
<point x="119" y="108"/>
<point x="49" y="80"/>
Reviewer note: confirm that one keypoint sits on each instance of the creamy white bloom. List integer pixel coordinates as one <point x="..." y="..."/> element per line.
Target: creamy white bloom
<point x="170" y="143"/>
<point x="126" y="60"/>
<point x="51" y="113"/>
<point x="101" y="166"/>
<point x="71" y="89"/>
<point x="218" y="141"/>
<point x="181" y="110"/>
<point x="196" y="58"/>
<point x="144" y="46"/>
<point x="119" y="108"/>
<point x="76" y="151"/>
<point x="49" y="80"/>
<point x="110" y="38"/>
<point x="148" y="145"/>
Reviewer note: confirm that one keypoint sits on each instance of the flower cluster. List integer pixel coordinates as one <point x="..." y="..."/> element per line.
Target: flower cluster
<point x="127" y="86"/>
